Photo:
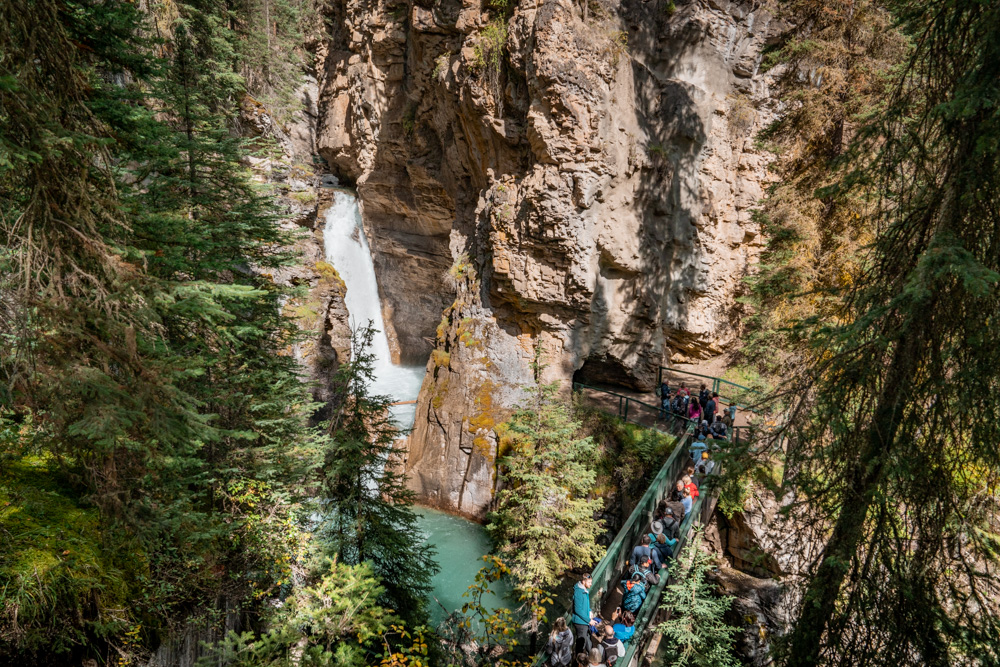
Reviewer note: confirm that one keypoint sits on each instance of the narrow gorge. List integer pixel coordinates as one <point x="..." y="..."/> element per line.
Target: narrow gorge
<point x="468" y="333"/>
<point x="584" y="186"/>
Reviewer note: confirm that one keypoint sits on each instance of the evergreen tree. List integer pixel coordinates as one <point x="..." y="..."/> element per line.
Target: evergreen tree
<point x="147" y="374"/>
<point x="894" y="444"/>
<point x="696" y="629"/>
<point x="335" y="622"/>
<point x="367" y="515"/>
<point x="544" y="523"/>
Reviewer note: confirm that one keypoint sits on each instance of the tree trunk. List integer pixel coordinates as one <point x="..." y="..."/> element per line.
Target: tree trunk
<point x="806" y="641"/>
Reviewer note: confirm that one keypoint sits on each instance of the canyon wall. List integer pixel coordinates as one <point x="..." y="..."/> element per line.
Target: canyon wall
<point x="574" y="176"/>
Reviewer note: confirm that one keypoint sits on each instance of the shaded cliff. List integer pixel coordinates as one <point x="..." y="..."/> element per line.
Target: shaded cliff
<point x="545" y="173"/>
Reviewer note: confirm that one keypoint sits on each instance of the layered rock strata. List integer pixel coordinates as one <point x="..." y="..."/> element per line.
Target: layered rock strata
<point x="590" y="163"/>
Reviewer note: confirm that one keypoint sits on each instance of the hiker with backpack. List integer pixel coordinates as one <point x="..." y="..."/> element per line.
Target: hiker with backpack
<point x="560" y="646"/>
<point x="697" y="447"/>
<point x="719" y="430"/>
<point x="643" y="552"/>
<point x="711" y="406"/>
<point x="671" y="526"/>
<point x="641" y="579"/>
<point x="707" y="465"/>
<point x="662" y="546"/>
<point x="611" y="647"/>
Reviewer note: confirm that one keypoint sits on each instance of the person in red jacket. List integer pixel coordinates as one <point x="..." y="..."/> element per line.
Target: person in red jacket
<point x="690" y="486"/>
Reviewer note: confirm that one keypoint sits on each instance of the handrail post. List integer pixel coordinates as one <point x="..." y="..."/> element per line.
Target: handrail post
<point x="659" y="376"/>
<point x="620" y="405"/>
<point x="626" y="409"/>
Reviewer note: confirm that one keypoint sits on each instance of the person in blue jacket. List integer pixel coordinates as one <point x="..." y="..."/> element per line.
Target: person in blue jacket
<point x="583" y="617"/>
<point x="624" y="626"/>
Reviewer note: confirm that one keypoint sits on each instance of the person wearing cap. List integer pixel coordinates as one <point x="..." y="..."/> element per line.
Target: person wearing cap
<point x="707" y="465"/>
<point x="671" y="526"/>
<point x="583" y="617"/>
<point x="661" y="545"/>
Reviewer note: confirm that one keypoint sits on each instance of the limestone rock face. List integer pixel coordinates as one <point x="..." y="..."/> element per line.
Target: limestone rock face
<point x="599" y="181"/>
<point x="320" y="311"/>
<point x="771" y="551"/>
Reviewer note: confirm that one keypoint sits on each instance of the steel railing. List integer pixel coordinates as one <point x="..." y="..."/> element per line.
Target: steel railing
<point x="607" y="571"/>
<point x="606" y="574"/>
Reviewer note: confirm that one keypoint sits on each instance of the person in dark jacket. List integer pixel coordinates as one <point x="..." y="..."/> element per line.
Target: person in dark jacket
<point x="649" y="575"/>
<point x="560" y="646"/>
<point x="661" y="546"/>
<point x="719" y="430"/>
<point x="711" y="407"/>
<point x="671" y="526"/>
<point x="677" y="495"/>
<point x="611" y="647"/>
<point x="643" y="552"/>
<point x="583" y="617"/>
<point x="703" y="395"/>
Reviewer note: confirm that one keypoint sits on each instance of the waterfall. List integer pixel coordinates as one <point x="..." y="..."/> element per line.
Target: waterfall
<point x="347" y="250"/>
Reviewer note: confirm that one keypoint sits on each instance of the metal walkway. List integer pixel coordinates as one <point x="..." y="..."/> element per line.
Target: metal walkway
<point x="610" y="570"/>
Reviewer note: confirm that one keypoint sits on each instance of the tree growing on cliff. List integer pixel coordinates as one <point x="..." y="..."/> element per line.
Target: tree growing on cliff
<point x="367" y="514"/>
<point x="544" y="523"/>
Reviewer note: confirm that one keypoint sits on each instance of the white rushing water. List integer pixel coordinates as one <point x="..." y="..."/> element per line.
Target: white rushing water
<point x="347" y="250"/>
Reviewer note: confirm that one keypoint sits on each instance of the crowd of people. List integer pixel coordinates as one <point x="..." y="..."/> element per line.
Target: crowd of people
<point x="705" y="411"/>
<point x="594" y="642"/>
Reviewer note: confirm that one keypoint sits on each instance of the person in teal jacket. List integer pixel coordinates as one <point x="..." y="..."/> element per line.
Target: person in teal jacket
<point x="583" y="618"/>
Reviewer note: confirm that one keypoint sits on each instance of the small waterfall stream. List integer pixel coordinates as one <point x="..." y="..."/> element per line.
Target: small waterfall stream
<point x="460" y="543"/>
<point x="347" y="249"/>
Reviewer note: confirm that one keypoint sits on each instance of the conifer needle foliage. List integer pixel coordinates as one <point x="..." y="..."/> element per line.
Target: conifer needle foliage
<point x="544" y="523"/>
<point x="153" y="428"/>
<point x="894" y="443"/>
<point x="696" y="630"/>
<point x="367" y="514"/>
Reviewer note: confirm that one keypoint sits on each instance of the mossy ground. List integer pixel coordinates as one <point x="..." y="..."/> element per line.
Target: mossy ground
<point x="65" y="577"/>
